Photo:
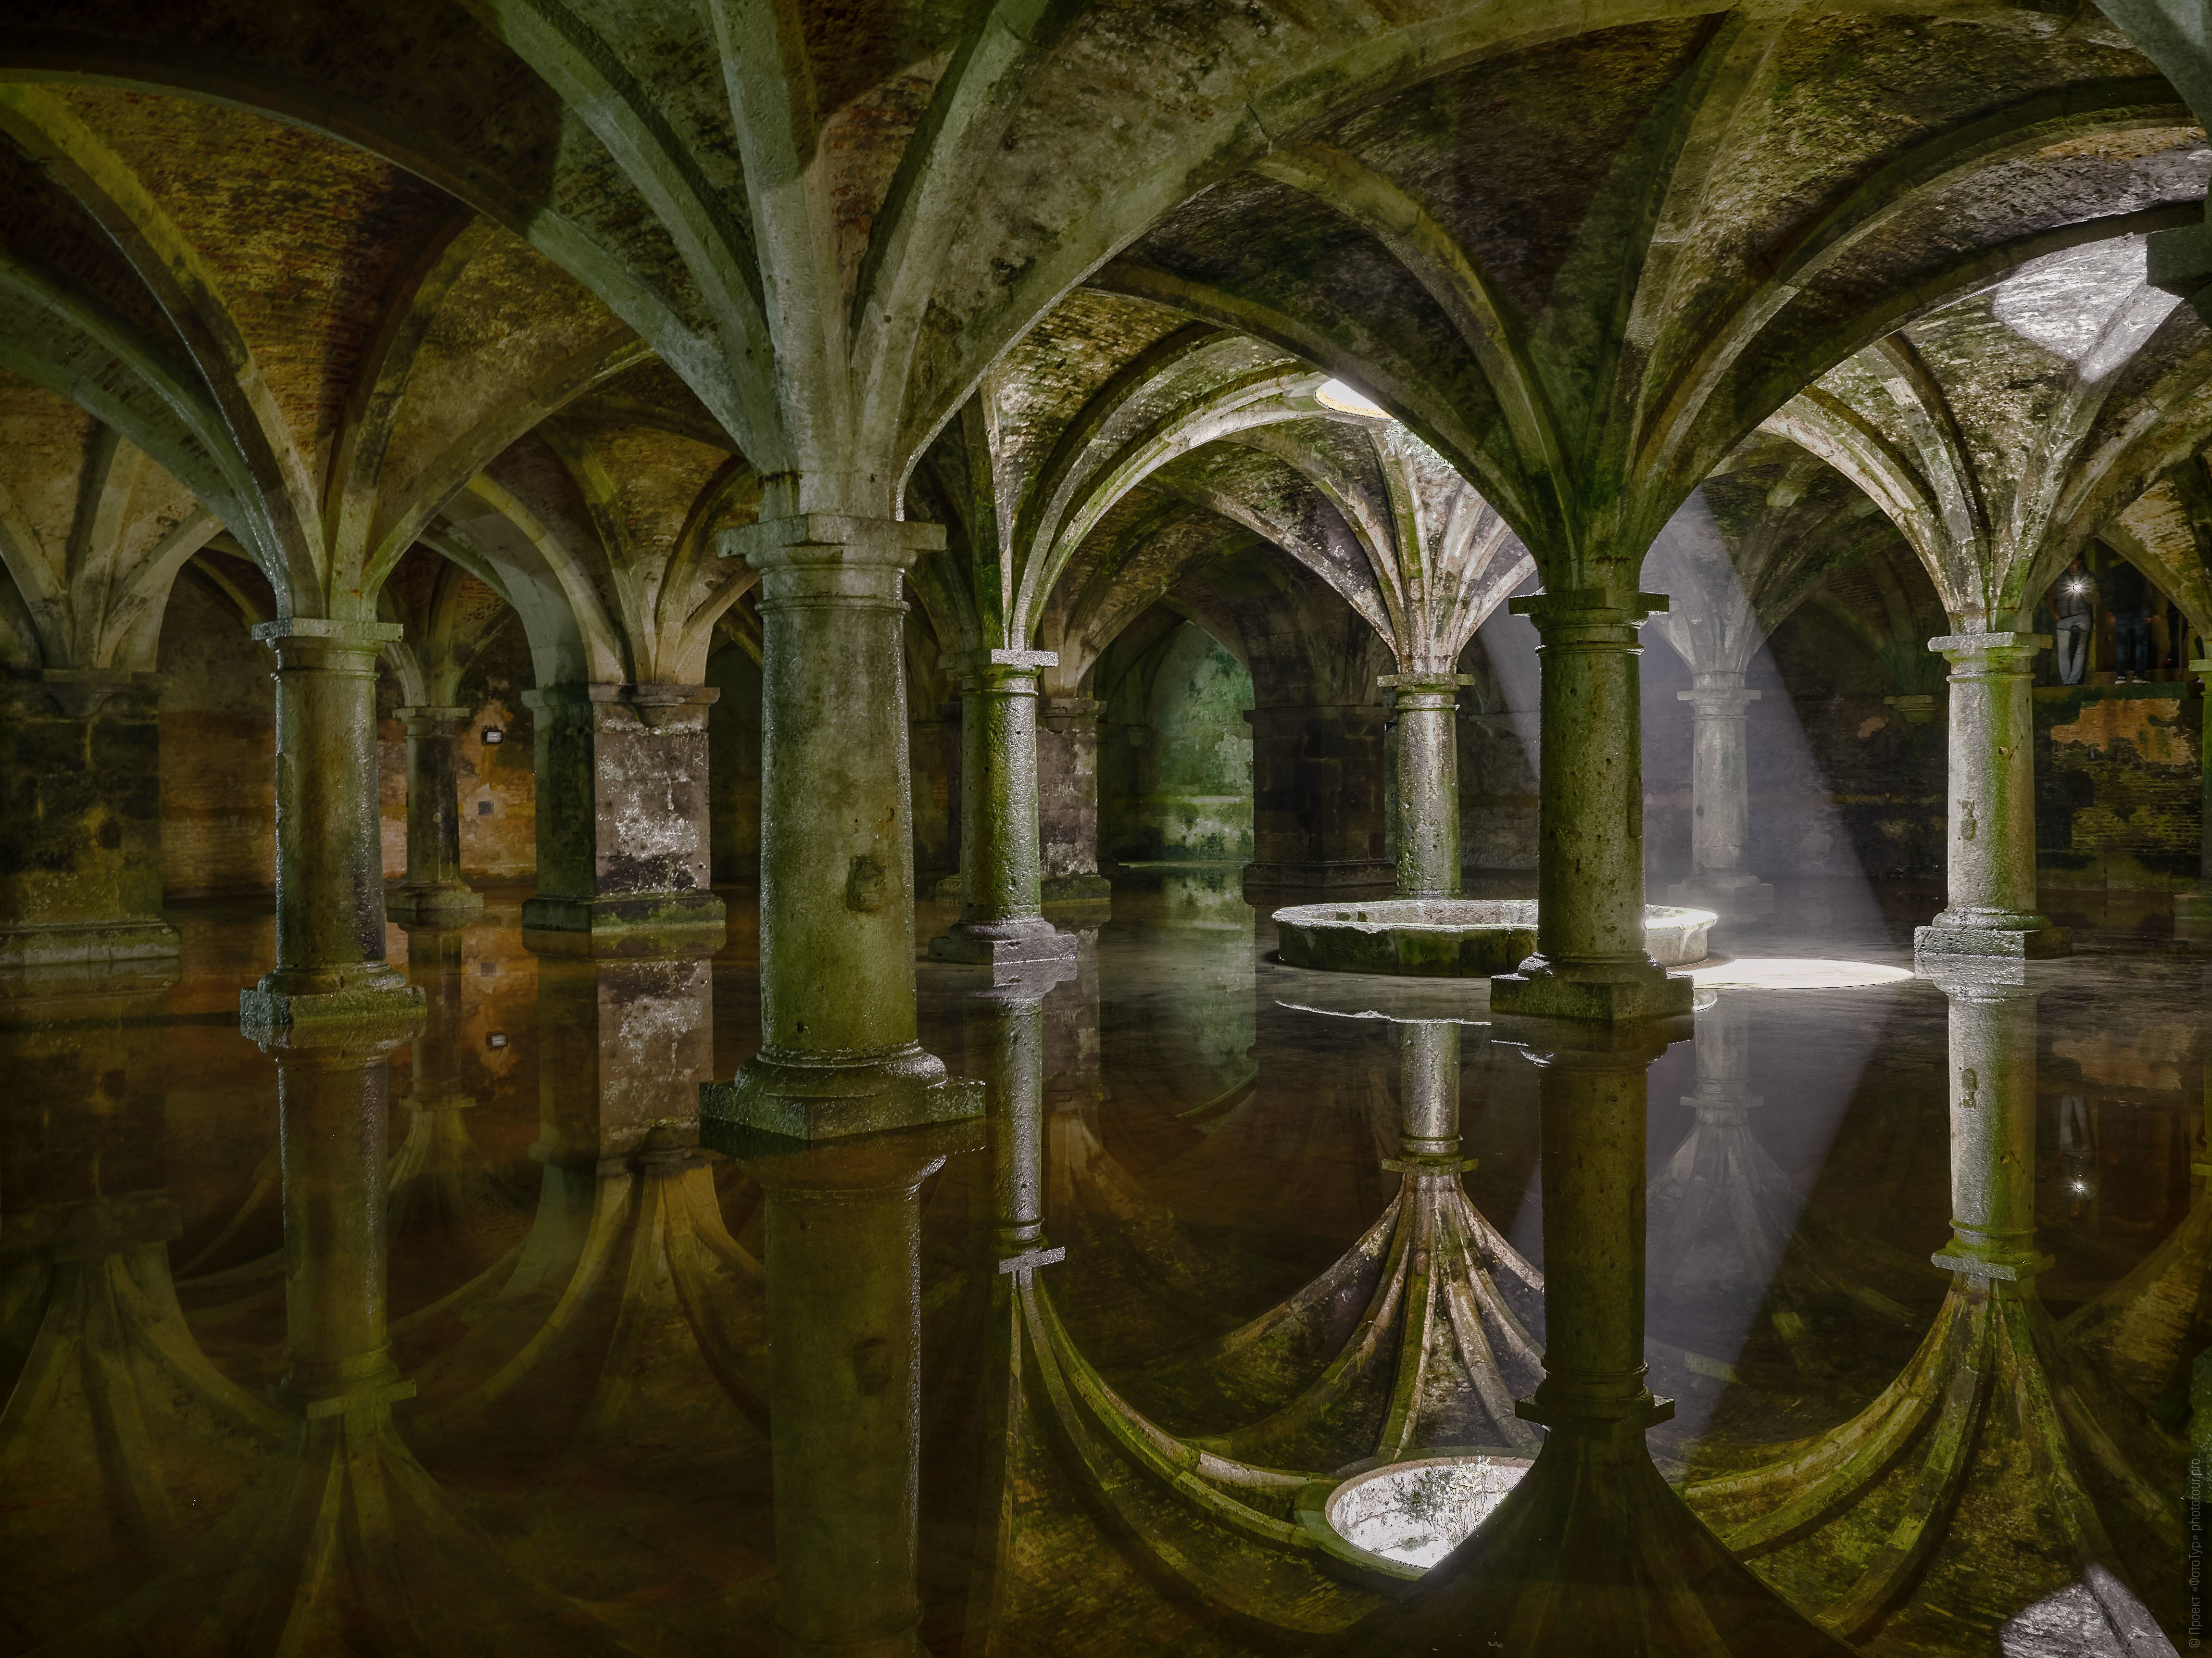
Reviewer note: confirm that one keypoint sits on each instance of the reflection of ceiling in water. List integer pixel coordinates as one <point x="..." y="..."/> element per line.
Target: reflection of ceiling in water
<point x="1794" y="972"/>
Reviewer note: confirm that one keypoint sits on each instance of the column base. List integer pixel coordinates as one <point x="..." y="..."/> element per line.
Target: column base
<point x="696" y="915"/>
<point x="373" y="992"/>
<point x="93" y="943"/>
<point x="1323" y="877"/>
<point x="809" y="1097"/>
<point x="1537" y="989"/>
<point x="1002" y="944"/>
<point x="1731" y="898"/>
<point x="2029" y="937"/>
<point x="1077" y="890"/>
<point x="435" y="903"/>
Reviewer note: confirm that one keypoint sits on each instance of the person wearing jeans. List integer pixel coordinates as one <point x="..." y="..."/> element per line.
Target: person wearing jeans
<point x="2073" y="605"/>
<point x="2131" y="617"/>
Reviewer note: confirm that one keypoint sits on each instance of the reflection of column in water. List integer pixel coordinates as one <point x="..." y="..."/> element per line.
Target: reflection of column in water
<point x="1906" y="1518"/>
<point x="843" y="1239"/>
<point x="1592" y="1552"/>
<point x="628" y="1313"/>
<point x="346" y="1541"/>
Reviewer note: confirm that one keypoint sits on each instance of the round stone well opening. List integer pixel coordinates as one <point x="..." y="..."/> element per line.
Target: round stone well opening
<point x="1454" y="938"/>
<point x="1417" y="1512"/>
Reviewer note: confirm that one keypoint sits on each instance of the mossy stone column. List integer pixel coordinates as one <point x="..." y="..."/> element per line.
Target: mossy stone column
<point x="1001" y="877"/>
<point x="838" y="1051"/>
<point x="1427" y="728"/>
<point x="2192" y="911"/>
<point x="1992" y="1092"/>
<point x="80" y="799"/>
<point x="330" y="854"/>
<point x="1590" y="963"/>
<point x="332" y="1080"/>
<point x="433" y="894"/>
<point x="842" y="1246"/>
<point x="1989" y="861"/>
<point x="625" y="858"/>
<point x="1719" y="800"/>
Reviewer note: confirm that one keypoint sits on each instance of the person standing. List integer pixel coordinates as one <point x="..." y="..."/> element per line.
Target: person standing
<point x="2074" y="603"/>
<point x="2129" y="615"/>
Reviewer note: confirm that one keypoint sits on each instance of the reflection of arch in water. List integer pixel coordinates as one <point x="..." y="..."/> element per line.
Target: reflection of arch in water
<point x="1408" y="1343"/>
<point x="118" y="1434"/>
<point x="1907" y="1518"/>
<point x="628" y="1311"/>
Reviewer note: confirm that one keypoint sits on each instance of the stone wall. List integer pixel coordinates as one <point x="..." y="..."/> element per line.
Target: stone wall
<point x="218" y="749"/>
<point x="2119" y="797"/>
<point x="1175" y="765"/>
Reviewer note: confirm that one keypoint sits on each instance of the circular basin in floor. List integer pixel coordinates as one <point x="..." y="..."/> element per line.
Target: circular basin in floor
<point x="1417" y="1512"/>
<point x="1454" y="938"/>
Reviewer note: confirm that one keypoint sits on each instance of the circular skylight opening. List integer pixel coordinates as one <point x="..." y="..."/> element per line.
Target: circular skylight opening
<point x="1335" y="394"/>
<point x="1419" y="1512"/>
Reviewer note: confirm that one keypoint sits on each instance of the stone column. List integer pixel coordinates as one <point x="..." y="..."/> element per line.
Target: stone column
<point x="1001" y="882"/>
<point x="1990" y="866"/>
<point x="1067" y="801"/>
<point x="1590" y="963"/>
<point x="80" y="799"/>
<point x="842" y="1253"/>
<point x="625" y="849"/>
<point x="1428" y="782"/>
<point x="334" y="1132"/>
<point x="330" y="854"/>
<point x="433" y="894"/>
<point x="2192" y="911"/>
<point x="1992" y="1054"/>
<point x="838" y="1052"/>
<point x="1720" y="802"/>
<point x="1317" y="796"/>
<point x="1428" y="1098"/>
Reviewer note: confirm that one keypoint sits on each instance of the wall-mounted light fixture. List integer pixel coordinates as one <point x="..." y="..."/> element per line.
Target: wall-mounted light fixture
<point x="497" y="1039"/>
<point x="494" y="734"/>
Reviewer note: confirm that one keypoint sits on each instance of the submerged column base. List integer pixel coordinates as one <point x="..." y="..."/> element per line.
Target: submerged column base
<point x="1611" y="992"/>
<point x="87" y="943"/>
<point x="813" y="1097"/>
<point x="1992" y="932"/>
<point x="1002" y="944"/>
<point x="630" y="919"/>
<point x="433" y="904"/>
<point x="371" y="992"/>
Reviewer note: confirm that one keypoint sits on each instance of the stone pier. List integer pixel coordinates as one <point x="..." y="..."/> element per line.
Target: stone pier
<point x="433" y="894"/>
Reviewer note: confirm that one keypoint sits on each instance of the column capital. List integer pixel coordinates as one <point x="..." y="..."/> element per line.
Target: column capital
<point x="1437" y="680"/>
<point x="1588" y="607"/>
<point x="1719" y="700"/>
<point x="998" y="670"/>
<point x="431" y="717"/>
<point x="1062" y="714"/>
<point x="820" y="540"/>
<point x="311" y="642"/>
<point x="2000" y="653"/>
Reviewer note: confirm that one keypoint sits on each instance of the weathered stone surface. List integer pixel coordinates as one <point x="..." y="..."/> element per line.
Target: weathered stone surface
<point x="80" y="820"/>
<point x="623" y="836"/>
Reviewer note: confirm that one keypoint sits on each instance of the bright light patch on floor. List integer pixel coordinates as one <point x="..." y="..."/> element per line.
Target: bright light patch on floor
<point x="1794" y="972"/>
<point x="1419" y="1512"/>
<point x="1335" y="394"/>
